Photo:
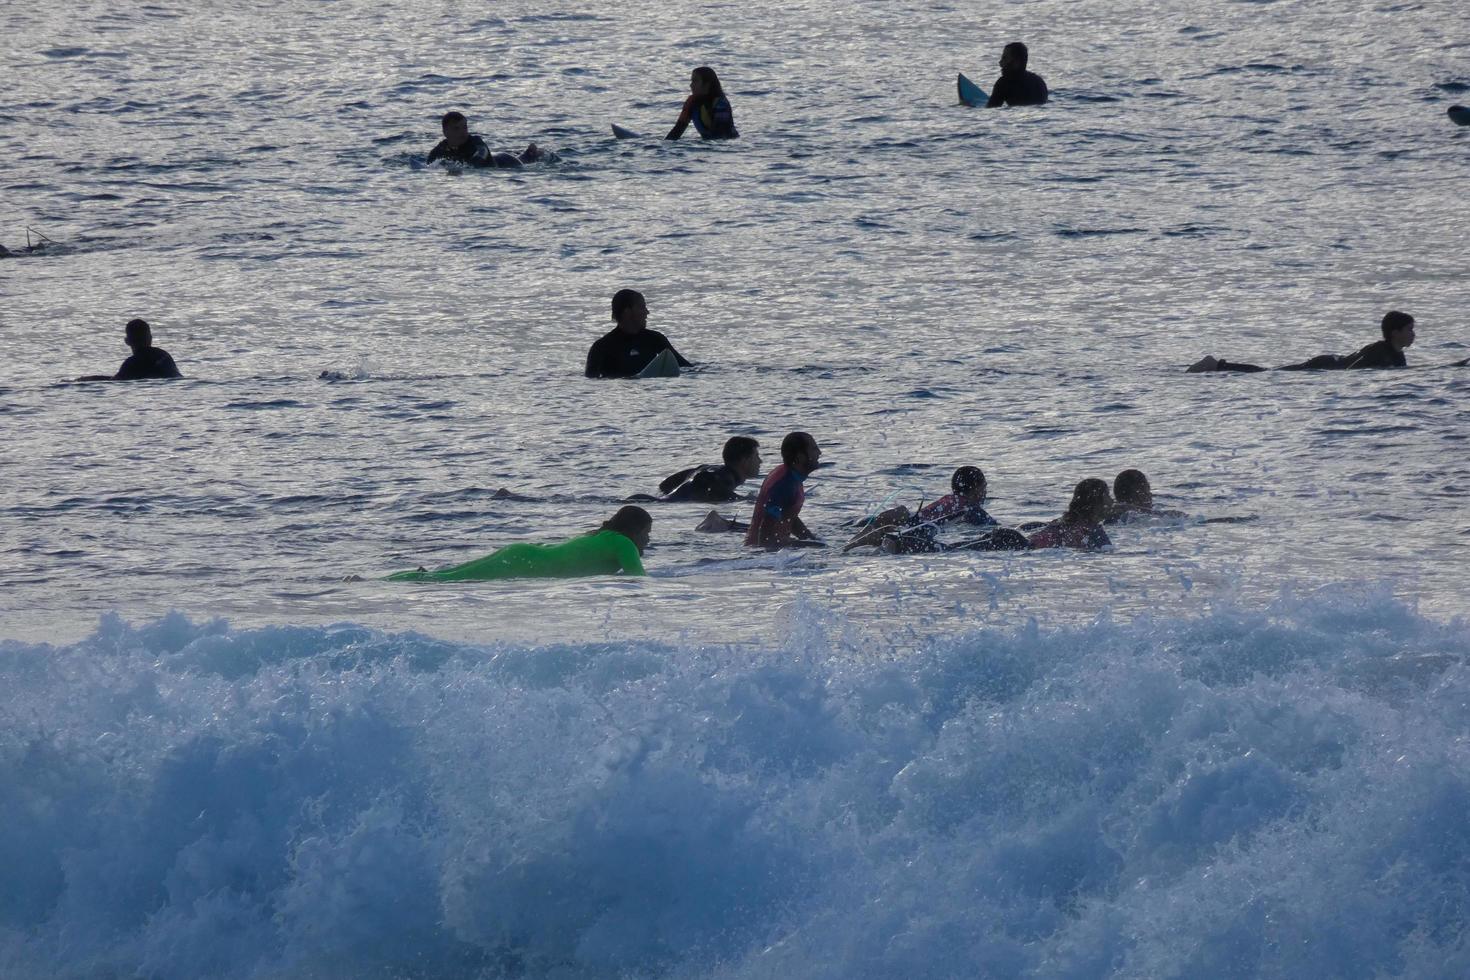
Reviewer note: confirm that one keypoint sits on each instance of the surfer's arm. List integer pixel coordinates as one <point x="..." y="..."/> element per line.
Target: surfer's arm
<point x="682" y="124"/>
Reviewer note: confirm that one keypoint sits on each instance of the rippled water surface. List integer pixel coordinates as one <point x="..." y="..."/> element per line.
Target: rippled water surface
<point x="373" y="349"/>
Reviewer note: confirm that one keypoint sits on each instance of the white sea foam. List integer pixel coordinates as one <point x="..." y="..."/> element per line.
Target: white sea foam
<point x="1242" y="793"/>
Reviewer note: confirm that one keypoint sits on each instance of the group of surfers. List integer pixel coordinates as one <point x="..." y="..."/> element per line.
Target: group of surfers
<point x="617" y="545"/>
<point x="707" y="108"/>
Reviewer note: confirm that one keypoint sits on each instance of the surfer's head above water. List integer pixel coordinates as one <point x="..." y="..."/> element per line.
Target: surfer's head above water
<point x="704" y="84"/>
<point x="1398" y="329"/>
<point x="633" y="523"/>
<point x="456" y="128"/>
<point x="742" y="455"/>
<point x="138" y="335"/>
<point x="968" y="482"/>
<point x="800" y="452"/>
<point x="1014" y="57"/>
<point x="1131" y="489"/>
<point x="630" y="310"/>
<point x="1090" y="503"/>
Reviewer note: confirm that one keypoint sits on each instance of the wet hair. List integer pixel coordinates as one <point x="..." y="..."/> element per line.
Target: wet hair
<point x="1394" y="320"/>
<point x="966" y="480"/>
<point x="622" y="299"/>
<point x="794" y="443"/>
<point x="713" y="88"/>
<point x="137" y="328"/>
<point x="1131" y="486"/>
<point x="737" y="448"/>
<point x="452" y="117"/>
<point x="1018" y="49"/>
<point x="1089" y="503"/>
<point x="628" y="521"/>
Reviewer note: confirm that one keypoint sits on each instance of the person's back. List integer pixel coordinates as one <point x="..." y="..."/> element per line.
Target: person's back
<point x="1379" y="354"/>
<point x="602" y="553"/>
<point x="1081" y="526"/>
<point x="147" y="362"/>
<point x="716" y="484"/>
<point x="1017" y="86"/>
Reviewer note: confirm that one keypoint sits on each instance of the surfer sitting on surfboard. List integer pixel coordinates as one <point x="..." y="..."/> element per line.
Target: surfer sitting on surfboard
<point x="147" y="361"/>
<point x="775" y="522"/>
<point x="1016" y="85"/>
<point x="630" y="349"/>
<point x="707" y="108"/>
<point x="459" y="145"/>
<point x="1398" y="333"/>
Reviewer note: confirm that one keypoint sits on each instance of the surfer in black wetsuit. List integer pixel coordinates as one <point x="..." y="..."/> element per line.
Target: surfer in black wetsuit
<point x="459" y="145"/>
<point x="1016" y="85"/>
<point x="715" y="484"/>
<point x="629" y="348"/>
<point x="1398" y="334"/>
<point x="147" y="361"/>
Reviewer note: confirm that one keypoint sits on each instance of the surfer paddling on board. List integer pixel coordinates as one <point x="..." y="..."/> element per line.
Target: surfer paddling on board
<point x="775" y="523"/>
<point x="147" y="361"/>
<point x="616" y="546"/>
<point x="1398" y="334"/>
<point x="459" y="145"/>
<point x="630" y="349"/>
<point x="707" y="108"/>
<point x="1081" y="526"/>
<point x="711" y="484"/>
<point x="1016" y="85"/>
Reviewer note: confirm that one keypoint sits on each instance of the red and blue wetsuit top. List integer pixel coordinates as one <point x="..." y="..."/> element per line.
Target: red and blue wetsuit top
<point x="779" y="501"/>
<point x="952" y="507"/>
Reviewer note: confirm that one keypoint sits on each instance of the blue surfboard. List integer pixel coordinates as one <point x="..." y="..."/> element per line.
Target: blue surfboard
<point x="971" y="94"/>
<point x="623" y="134"/>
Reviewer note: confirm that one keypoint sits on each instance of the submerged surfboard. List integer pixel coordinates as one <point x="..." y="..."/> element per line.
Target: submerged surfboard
<point x="665" y="365"/>
<point x="1459" y="115"/>
<point x="970" y="93"/>
<point x="623" y="134"/>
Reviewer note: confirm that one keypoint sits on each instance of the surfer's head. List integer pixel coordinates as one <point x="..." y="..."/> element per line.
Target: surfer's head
<point x="968" y="482"/>
<point x="138" y="334"/>
<point x="1090" y="503"/>
<point x="800" y="452"/>
<point x="456" y="128"/>
<point x="1398" y="329"/>
<point x="742" y="455"/>
<point x="1014" y="56"/>
<point x="633" y="523"/>
<point x="1131" y="489"/>
<point x="705" y="84"/>
<point x="630" y="310"/>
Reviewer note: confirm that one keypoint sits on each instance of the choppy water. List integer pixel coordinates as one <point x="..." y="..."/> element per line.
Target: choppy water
<point x="744" y="765"/>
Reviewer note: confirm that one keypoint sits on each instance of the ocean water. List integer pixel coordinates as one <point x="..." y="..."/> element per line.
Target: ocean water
<point x="1220" y="750"/>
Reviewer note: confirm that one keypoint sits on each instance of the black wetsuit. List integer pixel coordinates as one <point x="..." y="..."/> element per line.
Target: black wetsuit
<point x="473" y="152"/>
<point x="1379" y="354"/>
<point x="705" y="484"/>
<point x="1018" y="88"/>
<point x="151" y="362"/>
<point x="617" y="354"/>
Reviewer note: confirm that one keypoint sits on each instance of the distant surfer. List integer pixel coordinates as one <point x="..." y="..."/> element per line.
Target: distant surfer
<point x="630" y="348"/>
<point x="616" y="546"/>
<point x="1398" y="335"/>
<point x="459" y="145"/>
<point x="1016" y="85"/>
<point x="707" y="108"/>
<point x="1081" y="526"/>
<point x="775" y="522"/>
<point x="1133" y="500"/>
<point x="146" y="362"/>
<point x="714" y="484"/>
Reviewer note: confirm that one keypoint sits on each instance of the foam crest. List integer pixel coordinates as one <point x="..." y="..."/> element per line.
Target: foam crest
<point x="1272" y="792"/>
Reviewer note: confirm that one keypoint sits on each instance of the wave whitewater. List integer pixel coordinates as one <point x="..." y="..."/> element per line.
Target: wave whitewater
<point x="1243" y="793"/>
